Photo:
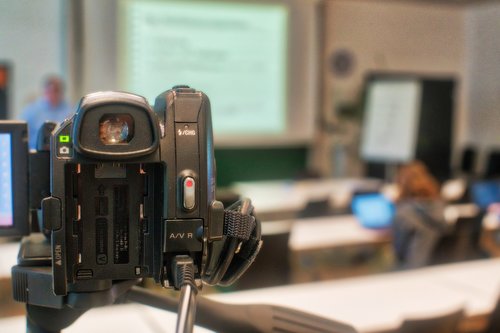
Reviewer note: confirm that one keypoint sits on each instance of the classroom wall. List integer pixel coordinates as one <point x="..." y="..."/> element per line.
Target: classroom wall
<point x="30" y="39"/>
<point x="388" y="36"/>
<point x="99" y="54"/>
<point x="483" y="71"/>
<point x="436" y="39"/>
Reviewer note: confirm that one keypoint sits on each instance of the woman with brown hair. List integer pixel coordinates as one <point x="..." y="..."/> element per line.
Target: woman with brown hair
<point x="415" y="182"/>
<point x="419" y="220"/>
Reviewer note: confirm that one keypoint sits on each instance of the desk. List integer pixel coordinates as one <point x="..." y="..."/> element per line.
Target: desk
<point x="371" y="303"/>
<point x="345" y="230"/>
<point x="381" y="302"/>
<point x="8" y="257"/>
<point x="336" y="231"/>
<point x="133" y="318"/>
<point x="286" y="198"/>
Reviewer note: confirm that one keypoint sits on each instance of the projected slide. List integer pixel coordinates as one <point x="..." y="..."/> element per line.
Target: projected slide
<point x="6" y="218"/>
<point x="235" y="52"/>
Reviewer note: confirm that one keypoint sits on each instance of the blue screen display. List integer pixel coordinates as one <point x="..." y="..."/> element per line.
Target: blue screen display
<point x="485" y="193"/>
<point x="6" y="211"/>
<point x="373" y="210"/>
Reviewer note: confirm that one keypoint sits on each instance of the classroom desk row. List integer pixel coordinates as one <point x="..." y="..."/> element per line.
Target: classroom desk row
<point x="374" y="303"/>
<point x="285" y="198"/>
<point x="381" y="302"/>
<point x="345" y="230"/>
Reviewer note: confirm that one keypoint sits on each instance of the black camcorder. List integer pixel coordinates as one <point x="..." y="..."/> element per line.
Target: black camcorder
<point x="132" y="193"/>
<point x="137" y="188"/>
<point x="120" y="192"/>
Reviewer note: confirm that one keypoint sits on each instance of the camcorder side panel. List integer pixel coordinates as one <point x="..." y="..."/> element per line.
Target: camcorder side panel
<point x="187" y="145"/>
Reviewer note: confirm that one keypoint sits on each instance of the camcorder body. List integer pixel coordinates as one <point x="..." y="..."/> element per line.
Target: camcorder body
<point x="122" y="191"/>
<point x="131" y="187"/>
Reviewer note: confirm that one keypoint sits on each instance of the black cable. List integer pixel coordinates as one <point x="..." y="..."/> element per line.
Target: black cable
<point x="226" y="317"/>
<point x="183" y="270"/>
<point x="187" y="309"/>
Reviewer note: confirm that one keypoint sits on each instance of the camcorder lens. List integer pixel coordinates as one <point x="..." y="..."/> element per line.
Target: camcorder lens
<point x="115" y="129"/>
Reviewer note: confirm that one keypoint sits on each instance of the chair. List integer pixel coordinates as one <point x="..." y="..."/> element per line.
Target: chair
<point x="462" y="243"/>
<point x="494" y="322"/>
<point x="468" y="160"/>
<point x="316" y="208"/>
<point x="447" y="323"/>
<point x="454" y="243"/>
<point x="272" y="266"/>
<point x="492" y="165"/>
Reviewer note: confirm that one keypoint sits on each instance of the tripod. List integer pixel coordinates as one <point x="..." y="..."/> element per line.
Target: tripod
<point x="32" y="284"/>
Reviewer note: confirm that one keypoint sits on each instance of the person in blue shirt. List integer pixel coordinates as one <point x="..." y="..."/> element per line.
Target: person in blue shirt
<point x="49" y="107"/>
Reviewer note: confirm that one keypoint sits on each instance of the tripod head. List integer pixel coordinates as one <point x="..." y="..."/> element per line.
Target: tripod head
<point x="32" y="281"/>
<point x="32" y="284"/>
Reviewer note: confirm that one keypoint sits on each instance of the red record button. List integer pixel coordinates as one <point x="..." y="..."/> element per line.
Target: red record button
<point x="189" y="197"/>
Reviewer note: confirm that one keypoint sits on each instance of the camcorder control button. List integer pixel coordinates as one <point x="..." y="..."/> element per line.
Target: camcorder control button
<point x="64" y="150"/>
<point x="183" y="88"/>
<point x="189" y="193"/>
<point x="51" y="208"/>
<point x="64" y="146"/>
<point x="183" y="235"/>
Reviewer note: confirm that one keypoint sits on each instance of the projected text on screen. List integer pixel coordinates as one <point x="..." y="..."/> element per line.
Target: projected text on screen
<point x="234" y="52"/>
<point x="6" y="214"/>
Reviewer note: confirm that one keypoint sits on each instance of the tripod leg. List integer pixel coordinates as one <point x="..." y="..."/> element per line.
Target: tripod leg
<point x="49" y="320"/>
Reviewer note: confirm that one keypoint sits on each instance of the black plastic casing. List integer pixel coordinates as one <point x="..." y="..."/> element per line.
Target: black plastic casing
<point x="116" y="211"/>
<point x="185" y="122"/>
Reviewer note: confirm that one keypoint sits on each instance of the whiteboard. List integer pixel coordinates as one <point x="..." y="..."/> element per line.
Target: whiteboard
<point x="391" y="120"/>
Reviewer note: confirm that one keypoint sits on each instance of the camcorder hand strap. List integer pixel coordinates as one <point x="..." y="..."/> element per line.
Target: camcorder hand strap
<point x="243" y="242"/>
<point x="245" y="254"/>
<point x="238" y="225"/>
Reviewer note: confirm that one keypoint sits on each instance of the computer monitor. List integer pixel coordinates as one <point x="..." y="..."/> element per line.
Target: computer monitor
<point x="6" y="209"/>
<point x="485" y="193"/>
<point x="13" y="179"/>
<point x="373" y="210"/>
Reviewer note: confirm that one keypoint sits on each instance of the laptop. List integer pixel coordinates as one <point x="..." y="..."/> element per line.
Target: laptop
<point x="374" y="210"/>
<point x="484" y="193"/>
